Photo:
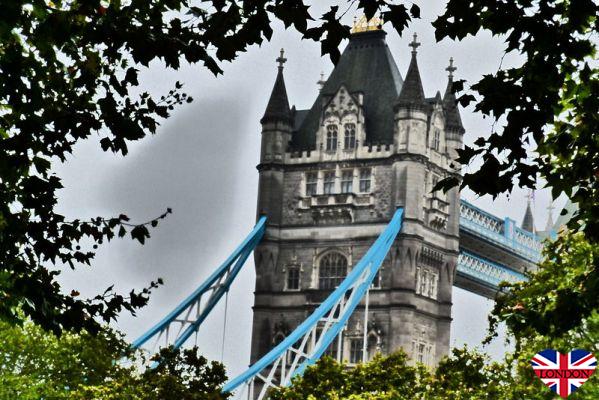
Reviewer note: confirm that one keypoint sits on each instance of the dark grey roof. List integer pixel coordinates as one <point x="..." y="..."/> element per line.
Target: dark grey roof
<point x="528" y="223"/>
<point x="278" y="104"/>
<point x="450" y="106"/>
<point x="365" y="66"/>
<point x="412" y="92"/>
<point x="298" y="118"/>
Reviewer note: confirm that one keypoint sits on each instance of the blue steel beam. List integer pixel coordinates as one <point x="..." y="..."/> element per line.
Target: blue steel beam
<point x="333" y="312"/>
<point x="217" y="284"/>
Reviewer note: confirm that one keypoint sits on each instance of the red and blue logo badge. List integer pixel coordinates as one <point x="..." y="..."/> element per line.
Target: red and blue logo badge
<point x="564" y="373"/>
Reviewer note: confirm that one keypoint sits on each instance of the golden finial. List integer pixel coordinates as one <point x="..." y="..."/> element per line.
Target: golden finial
<point x="364" y="25"/>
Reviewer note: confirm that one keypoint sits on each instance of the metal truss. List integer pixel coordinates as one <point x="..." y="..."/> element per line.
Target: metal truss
<point x="306" y="344"/>
<point x="185" y="320"/>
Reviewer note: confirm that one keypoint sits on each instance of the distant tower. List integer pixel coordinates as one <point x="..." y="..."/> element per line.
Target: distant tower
<point x="528" y="223"/>
<point x="330" y="179"/>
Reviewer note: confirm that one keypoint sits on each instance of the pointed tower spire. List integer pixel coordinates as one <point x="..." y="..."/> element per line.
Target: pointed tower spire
<point x="450" y="104"/>
<point x="528" y="223"/>
<point x="278" y="104"/>
<point x="412" y="93"/>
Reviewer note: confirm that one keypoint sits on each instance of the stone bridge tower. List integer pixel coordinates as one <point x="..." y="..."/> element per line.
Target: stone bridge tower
<point x="331" y="178"/>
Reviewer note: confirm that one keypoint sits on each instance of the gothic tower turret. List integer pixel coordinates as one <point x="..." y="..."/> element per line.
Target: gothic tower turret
<point x="454" y="130"/>
<point x="276" y="135"/>
<point x="454" y="139"/>
<point x="331" y="177"/>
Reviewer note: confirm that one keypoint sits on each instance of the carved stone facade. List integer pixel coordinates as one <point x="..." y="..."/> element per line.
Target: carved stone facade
<point x="330" y="180"/>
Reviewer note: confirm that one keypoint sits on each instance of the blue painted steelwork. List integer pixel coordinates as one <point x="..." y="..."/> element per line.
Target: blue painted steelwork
<point x="214" y="287"/>
<point x="486" y="271"/>
<point x="333" y="313"/>
<point x="504" y="232"/>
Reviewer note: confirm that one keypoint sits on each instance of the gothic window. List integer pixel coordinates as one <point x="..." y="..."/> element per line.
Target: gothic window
<point x="426" y="282"/>
<point x="332" y="271"/>
<point x="423" y="352"/>
<point x="293" y="277"/>
<point x="311" y="180"/>
<point x="347" y="180"/>
<point x="436" y="139"/>
<point x="329" y="182"/>
<point x="331" y="137"/>
<point x="350" y="136"/>
<point x="355" y="351"/>
<point x="365" y="177"/>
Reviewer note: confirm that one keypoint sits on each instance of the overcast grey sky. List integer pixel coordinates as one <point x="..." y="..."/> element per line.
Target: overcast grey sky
<point x="201" y="163"/>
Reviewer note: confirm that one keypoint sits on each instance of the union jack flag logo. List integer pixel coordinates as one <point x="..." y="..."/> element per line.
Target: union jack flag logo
<point x="564" y="373"/>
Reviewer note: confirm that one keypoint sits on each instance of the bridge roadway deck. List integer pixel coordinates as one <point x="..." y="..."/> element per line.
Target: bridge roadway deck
<point x="492" y="250"/>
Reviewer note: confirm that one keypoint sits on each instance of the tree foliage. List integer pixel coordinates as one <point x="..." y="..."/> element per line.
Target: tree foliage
<point x="557" y="298"/>
<point x="551" y="99"/>
<point x="464" y="375"/>
<point x="37" y="364"/>
<point x="69" y="70"/>
<point x="556" y="308"/>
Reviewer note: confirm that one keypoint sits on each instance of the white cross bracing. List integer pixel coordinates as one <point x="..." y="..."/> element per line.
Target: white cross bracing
<point x="165" y="339"/>
<point x="306" y="344"/>
<point x="311" y="345"/>
<point x="185" y="320"/>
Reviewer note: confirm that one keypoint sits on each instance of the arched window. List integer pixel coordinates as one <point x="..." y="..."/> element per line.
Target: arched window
<point x="350" y="136"/>
<point x="331" y="137"/>
<point x="437" y="139"/>
<point x="332" y="270"/>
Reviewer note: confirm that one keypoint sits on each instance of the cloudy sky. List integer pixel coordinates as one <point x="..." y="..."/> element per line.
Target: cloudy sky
<point x="201" y="163"/>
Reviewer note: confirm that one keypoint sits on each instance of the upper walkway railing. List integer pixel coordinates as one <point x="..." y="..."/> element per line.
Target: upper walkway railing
<point x="502" y="232"/>
<point x="486" y="271"/>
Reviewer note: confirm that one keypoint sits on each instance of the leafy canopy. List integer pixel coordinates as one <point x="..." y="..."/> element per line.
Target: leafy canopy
<point x="556" y="308"/>
<point x="69" y="70"/>
<point x="559" y="301"/>
<point x="37" y="364"/>
<point x="551" y="100"/>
